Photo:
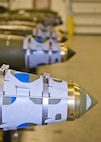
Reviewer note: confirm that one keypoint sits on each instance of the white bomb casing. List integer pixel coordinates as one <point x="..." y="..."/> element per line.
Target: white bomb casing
<point x="28" y="99"/>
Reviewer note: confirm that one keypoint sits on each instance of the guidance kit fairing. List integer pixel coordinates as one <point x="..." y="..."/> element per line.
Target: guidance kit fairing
<point x="27" y="52"/>
<point x="29" y="99"/>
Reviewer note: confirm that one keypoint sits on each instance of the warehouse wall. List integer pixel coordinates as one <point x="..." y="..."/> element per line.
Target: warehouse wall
<point x="21" y="4"/>
<point x="87" y="16"/>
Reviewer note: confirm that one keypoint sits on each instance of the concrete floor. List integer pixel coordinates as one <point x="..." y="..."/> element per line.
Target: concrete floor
<point x="85" y="69"/>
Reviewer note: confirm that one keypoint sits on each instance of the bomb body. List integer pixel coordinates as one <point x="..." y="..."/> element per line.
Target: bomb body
<point x="29" y="99"/>
<point x="21" y="53"/>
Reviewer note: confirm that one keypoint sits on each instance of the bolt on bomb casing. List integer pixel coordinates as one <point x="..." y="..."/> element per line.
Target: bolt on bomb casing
<point x="29" y="99"/>
<point x="20" y="52"/>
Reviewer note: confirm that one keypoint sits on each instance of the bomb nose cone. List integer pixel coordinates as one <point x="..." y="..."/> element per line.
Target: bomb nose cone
<point x="66" y="53"/>
<point x="79" y="101"/>
<point x="86" y="101"/>
<point x="70" y="53"/>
